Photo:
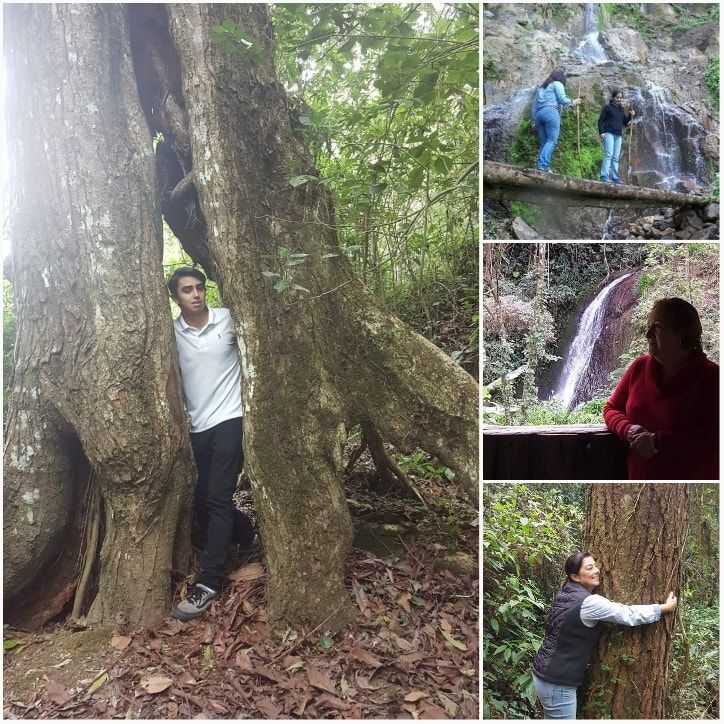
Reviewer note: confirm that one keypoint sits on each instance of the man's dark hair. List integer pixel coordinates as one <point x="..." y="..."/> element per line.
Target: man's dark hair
<point x="615" y="92"/>
<point x="183" y="271"/>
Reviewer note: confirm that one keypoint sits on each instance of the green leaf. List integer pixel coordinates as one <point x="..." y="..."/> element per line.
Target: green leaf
<point x="10" y="644"/>
<point x="415" y="178"/>
<point x="301" y="180"/>
<point x="98" y="683"/>
<point x="297" y="288"/>
<point x="325" y="641"/>
<point x="454" y="643"/>
<point x="270" y="274"/>
<point x="282" y="285"/>
<point x="494" y="625"/>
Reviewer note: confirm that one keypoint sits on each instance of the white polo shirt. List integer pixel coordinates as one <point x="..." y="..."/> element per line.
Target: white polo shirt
<point x="210" y="371"/>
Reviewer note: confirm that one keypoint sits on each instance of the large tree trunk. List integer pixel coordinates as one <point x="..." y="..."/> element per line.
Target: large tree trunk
<point x="96" y="379"/>
<point x="95" y="382"/>
<point x="312" y="360"/>
<point x="636" y="533"/>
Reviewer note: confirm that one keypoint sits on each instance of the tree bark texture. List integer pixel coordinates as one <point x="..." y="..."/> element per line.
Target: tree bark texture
<point x="636" y="533"/>
<point x="95" y="385"/>
<point x="312" y="360"/>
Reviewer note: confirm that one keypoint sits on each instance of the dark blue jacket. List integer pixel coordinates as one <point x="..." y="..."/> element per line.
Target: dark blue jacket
<point x="566" y="650"/>
<point x="613" y="119"/>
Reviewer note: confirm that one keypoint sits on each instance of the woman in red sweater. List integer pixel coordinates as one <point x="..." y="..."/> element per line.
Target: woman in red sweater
<point x="666" y="406"/>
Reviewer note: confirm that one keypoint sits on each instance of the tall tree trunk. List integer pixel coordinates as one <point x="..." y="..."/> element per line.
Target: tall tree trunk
<point x="637" y="534"/>
<point x="95" y="382"/>
<point x="312" y="360"/>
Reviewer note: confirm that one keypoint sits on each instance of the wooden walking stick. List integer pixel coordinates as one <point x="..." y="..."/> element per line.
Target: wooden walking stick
<point x="630" y="143"/>
<point x="578" y="123"/>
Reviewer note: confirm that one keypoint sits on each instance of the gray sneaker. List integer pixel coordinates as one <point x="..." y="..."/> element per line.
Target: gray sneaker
<point x="198" y="599"/>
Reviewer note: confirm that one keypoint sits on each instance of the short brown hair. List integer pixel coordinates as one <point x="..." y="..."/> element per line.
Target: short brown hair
<point x="684" y="319"/>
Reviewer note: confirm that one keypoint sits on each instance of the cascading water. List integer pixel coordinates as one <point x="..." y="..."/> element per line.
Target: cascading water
<point x="579" y="354"/>
<point x="668" y="143"/>
<point x="589" y="50"/>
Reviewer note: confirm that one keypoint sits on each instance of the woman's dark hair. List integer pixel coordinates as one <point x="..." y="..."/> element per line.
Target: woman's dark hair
<point x="184" y="271"/>
<point x="684" y="319"/>
<point x="574" y="563"/>
<point x="615" y="92"/>
<point x="558" y="75"/>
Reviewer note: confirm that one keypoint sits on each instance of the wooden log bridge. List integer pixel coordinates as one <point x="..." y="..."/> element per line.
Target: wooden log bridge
<point x="501" y="181"/>
<point x="553" y="452"/>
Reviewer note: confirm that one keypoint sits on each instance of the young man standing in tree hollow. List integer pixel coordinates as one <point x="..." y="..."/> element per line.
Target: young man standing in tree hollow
<point x="211" y="381"/>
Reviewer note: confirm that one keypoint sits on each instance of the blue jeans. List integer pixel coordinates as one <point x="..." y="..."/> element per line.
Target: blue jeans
<point x="559" y="702"/>
<point x="548" y="124"/>
<point x="611" y="152"/>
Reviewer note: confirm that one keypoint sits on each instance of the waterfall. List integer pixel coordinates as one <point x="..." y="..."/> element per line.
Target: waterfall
<point x="668" y="143"/>
<point x="589" y="50"/>
<point x="578" y="359"/>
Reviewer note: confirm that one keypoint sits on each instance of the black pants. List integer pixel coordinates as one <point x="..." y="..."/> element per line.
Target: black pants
<point x="219" y="458"/>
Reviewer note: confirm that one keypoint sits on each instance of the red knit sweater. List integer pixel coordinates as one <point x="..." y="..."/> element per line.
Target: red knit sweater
<point x="683" y="414"/>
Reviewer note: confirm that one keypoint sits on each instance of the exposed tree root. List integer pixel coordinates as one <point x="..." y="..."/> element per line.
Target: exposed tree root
<point x="388" y="469"/>
<point x="93" y="526"/>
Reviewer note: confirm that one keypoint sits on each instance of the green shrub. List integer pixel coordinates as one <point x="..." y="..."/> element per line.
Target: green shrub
<point x="528" y="532"/>
<point x="711" y="82"/>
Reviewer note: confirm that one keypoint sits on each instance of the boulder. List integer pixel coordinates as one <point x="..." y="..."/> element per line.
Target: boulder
<point x="521" y="230"/>
<point x="708" y="232"/>
<point x="625" y="45"/>
<point x="711" y="212"/>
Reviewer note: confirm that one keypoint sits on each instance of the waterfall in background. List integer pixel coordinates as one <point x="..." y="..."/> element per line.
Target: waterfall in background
<point x="578" y="358"/>
<point x="589" y="50"/>
<point x="668" y="143"/>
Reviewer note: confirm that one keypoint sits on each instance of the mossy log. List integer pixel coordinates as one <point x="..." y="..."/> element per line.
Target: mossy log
<point x="501" y="181"/>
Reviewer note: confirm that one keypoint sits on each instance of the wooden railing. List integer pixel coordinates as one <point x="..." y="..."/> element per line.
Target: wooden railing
<point x="552" y="452"/>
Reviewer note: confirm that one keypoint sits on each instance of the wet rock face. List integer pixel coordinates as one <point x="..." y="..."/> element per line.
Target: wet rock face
<point x="523" y="43"/>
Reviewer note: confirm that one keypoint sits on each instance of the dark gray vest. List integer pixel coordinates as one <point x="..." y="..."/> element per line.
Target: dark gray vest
<point x="566" y="650"/>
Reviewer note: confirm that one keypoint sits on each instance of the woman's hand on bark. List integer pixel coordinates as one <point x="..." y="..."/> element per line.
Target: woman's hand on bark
<point x="670" y="604"/>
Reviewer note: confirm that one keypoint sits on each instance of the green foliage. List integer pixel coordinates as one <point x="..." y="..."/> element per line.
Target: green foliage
<point x="386" y="98"/>
<point x="711" y="81"/>
<point x="689" y="271"/>
<point x="424" y="466"/>
<point x="528" y="532"/>
<point x="9" y="330"/>
<point x="630" y="14"/>
<point x="530" y="213"/>
<point x="713" y="196"/>
<point x="287" y="262"/>
<point x="553" y="412"/>
<point x="175" y="257"/>
<point x="492" y="66"/>
<point x="232" y="40"/>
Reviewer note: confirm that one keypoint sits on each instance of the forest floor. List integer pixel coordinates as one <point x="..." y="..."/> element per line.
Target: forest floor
<point x="412" y="652"/>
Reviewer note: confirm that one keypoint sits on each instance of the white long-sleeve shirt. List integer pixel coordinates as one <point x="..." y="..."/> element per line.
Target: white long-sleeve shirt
<point x="596" y="608"/>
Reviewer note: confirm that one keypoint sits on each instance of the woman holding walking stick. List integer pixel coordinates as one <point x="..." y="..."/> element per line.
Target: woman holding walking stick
<point x="610" y="127"/>
<point x="549" y="100"/>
